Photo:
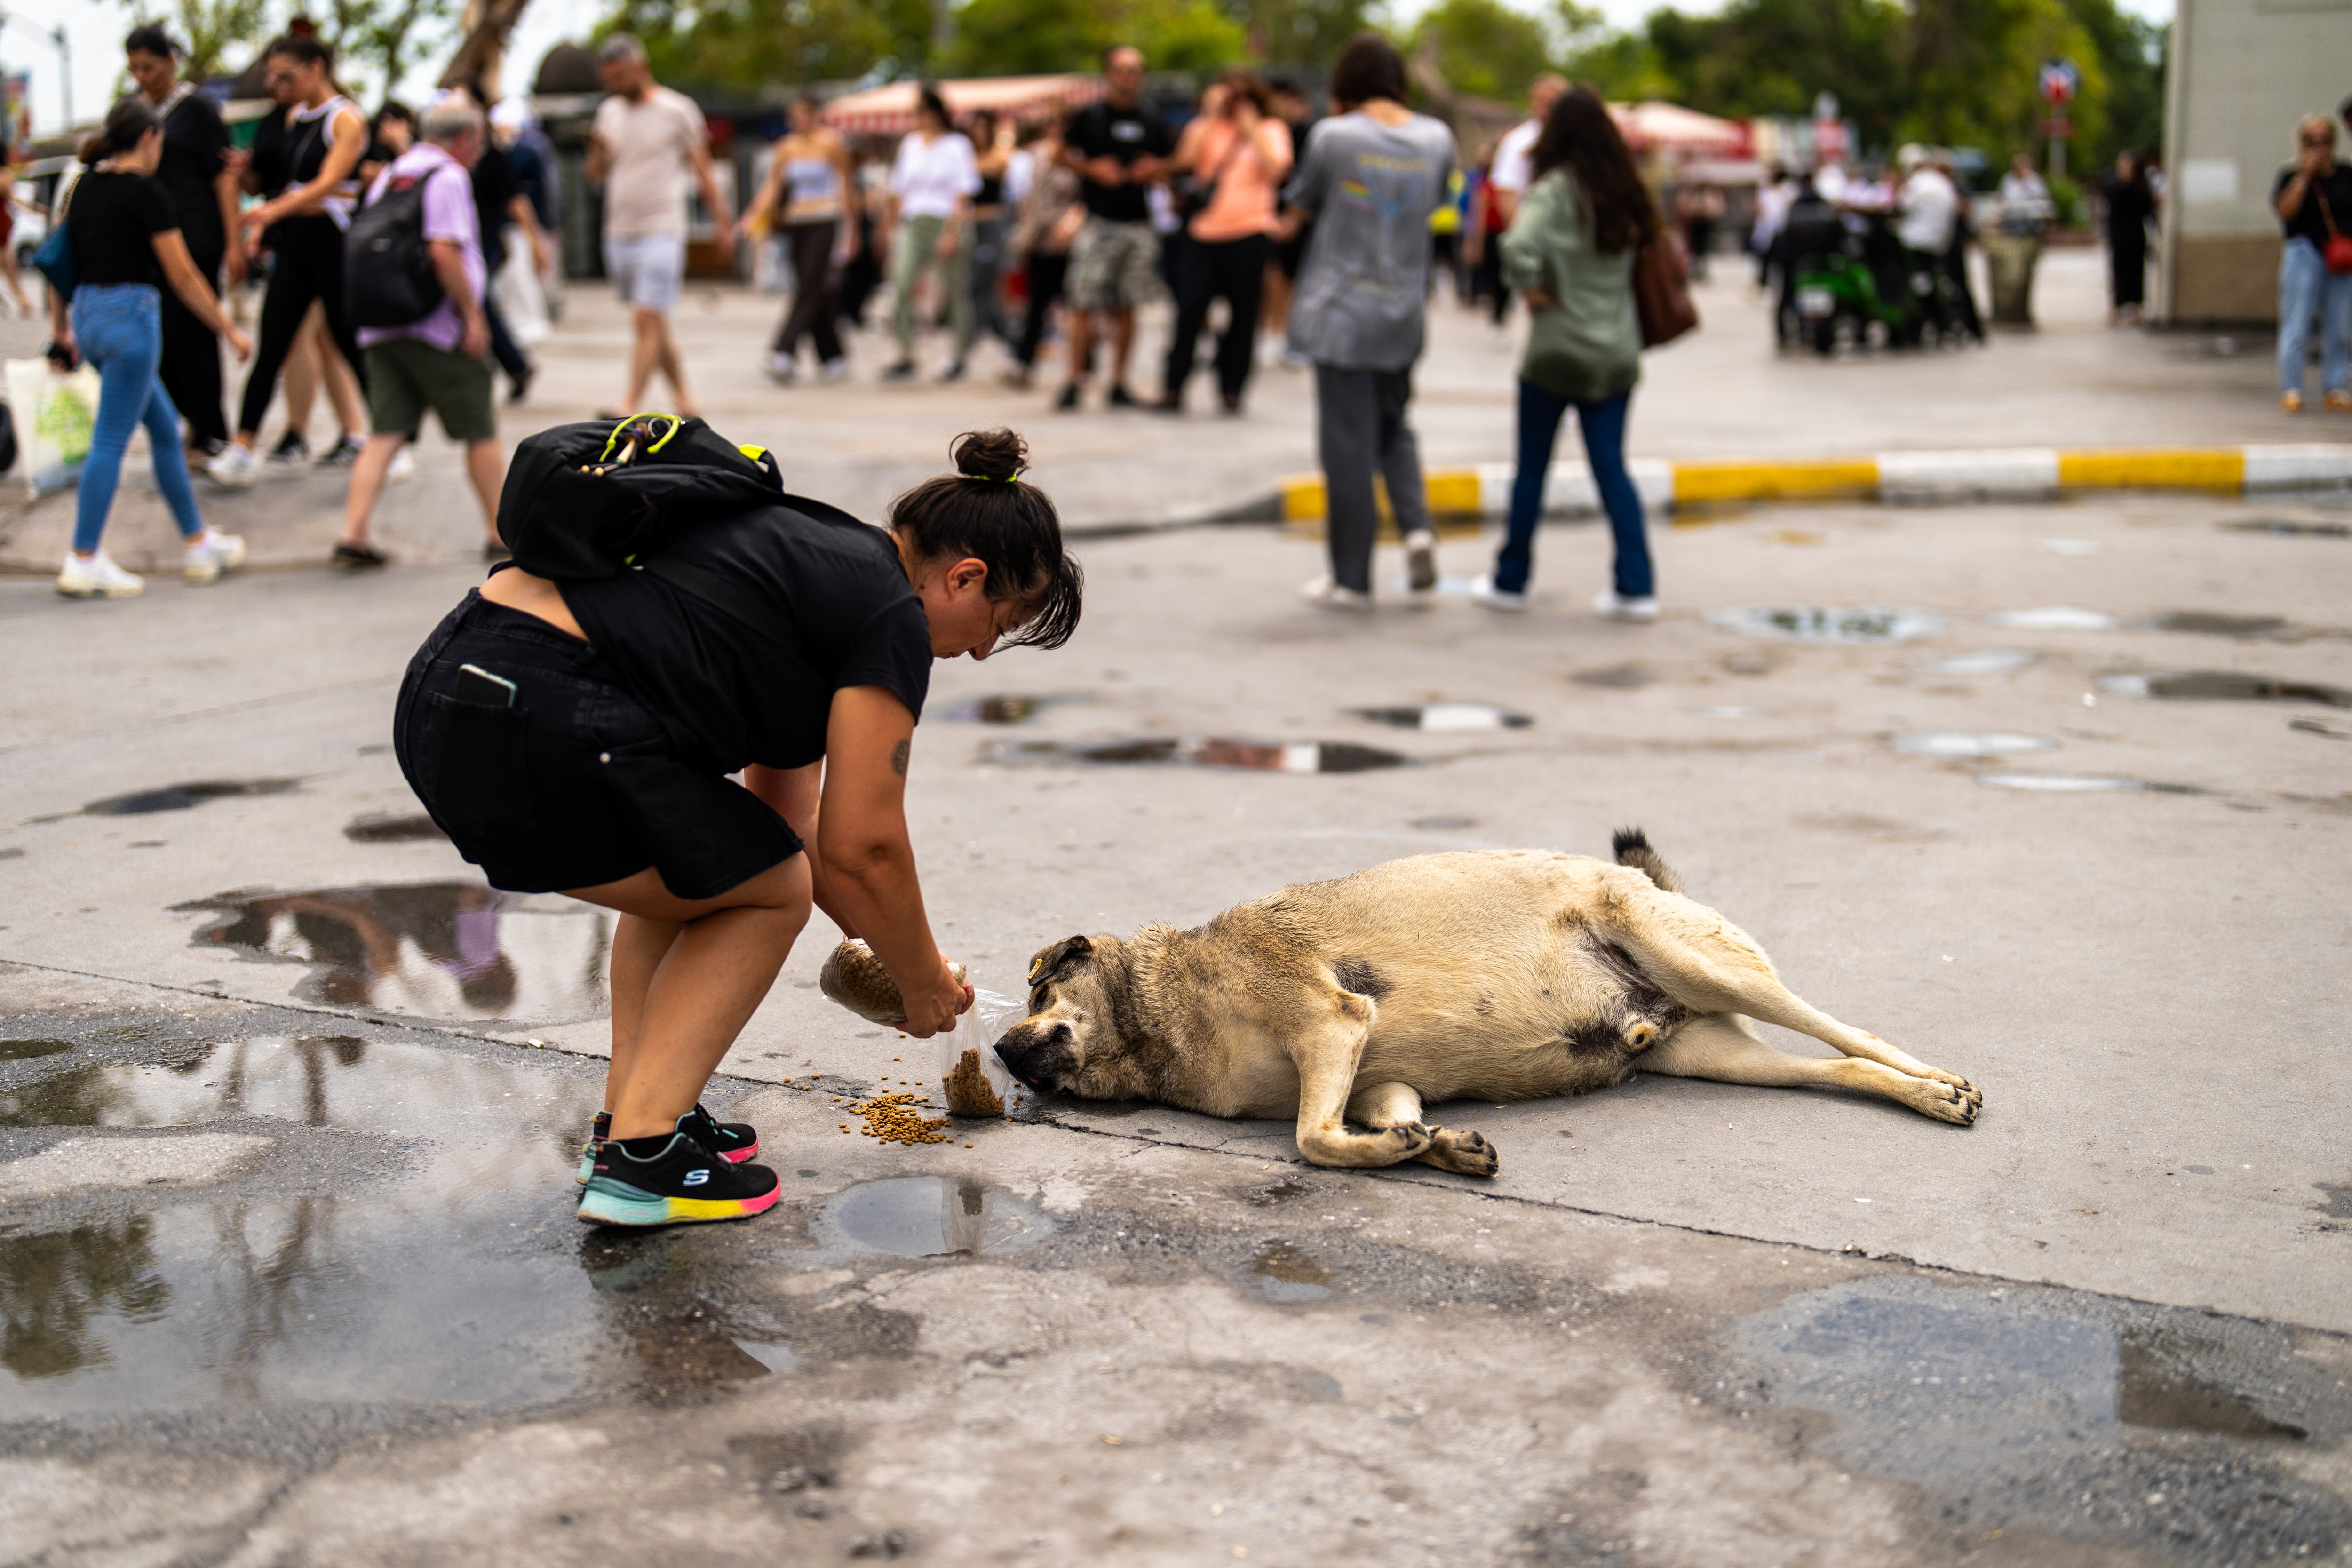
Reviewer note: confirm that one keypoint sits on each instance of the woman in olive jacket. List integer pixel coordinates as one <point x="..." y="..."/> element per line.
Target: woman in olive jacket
<point x="1569" y="253"/>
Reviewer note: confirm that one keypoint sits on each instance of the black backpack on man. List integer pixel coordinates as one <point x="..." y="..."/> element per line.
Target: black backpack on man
<point x="388" y="261"/>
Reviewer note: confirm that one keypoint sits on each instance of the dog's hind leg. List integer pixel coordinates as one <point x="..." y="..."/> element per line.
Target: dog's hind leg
<point x="1326" y="1053"/>
<point x="1722" y="1047"/>
<point x="1392" y="1104"/>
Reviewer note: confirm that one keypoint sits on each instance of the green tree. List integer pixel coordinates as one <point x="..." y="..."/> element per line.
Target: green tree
<point x="1484" y="46"/>
<point x="207" y="31"/>
<point x="1300" y="32"/>
<point x="745" y="45"/>
<point x="382" y="38"/>
<point x="999" y="37"/>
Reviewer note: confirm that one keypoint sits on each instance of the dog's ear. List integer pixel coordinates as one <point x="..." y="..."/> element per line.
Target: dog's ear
<point x="1049" y="964"/>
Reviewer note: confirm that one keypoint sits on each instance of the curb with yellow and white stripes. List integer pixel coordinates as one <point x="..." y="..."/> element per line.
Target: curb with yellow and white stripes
<point x="1995" y="474"/>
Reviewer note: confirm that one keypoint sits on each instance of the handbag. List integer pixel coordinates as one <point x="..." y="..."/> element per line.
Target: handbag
<point x="1661" y="291"/>
<point x="2337" y="251"/>
<point x="55" y="258"/>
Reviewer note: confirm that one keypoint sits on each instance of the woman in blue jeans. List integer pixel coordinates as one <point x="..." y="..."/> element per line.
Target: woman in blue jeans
<point x="2313" y="199"/>
<point x="125" y="243"/>
<point x="1570" y="252"/>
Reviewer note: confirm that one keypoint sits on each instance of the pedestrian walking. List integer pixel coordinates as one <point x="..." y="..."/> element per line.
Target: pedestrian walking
<point x="1236" y="155"/>
<point x="2130" y="205"/>
<point x="1290" y="236"/>
<point x="993" y="142"/>
<point x="2313" y="199"/>
<point x="810" y="191"/>
<point x="326" y="136"/>
<point x="1371" y="175"/>
<point x="437" y="362"/>
<point x="931" y="184"/>
<point x="9" y="201"/>
<point x="619" y="705"/>
<point x="200" y="186"/>
<point x="645" y="145"/>
<point x="538" y="177"/>
<point x="1051" y="212"/>
<point x="499" y="205"/>
<point x="1119" y="149"/>
<point x="1569" y="253"/>
<point x="127" y="244"/>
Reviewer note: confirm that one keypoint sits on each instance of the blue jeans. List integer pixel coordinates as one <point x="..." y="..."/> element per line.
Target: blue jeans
<point x="119" y="328"/>
<point x="2306" y="287"/>
<point x="1603" y="426"/>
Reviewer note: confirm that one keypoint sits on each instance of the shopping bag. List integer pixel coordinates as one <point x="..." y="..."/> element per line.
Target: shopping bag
<point x="54" y="413"/>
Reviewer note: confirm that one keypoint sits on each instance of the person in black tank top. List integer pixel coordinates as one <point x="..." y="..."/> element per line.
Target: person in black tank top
<point x="326" y="136"/>
<point x="991" y="222"/>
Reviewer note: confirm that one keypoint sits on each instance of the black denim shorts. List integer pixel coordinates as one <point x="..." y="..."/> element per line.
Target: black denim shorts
<point x="577" y="784"/>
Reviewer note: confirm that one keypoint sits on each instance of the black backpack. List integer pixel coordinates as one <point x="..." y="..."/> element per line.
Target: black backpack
<point x="388" y="273"/>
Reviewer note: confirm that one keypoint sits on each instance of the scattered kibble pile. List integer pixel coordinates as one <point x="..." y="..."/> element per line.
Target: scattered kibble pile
<point x="895" y="1118"/>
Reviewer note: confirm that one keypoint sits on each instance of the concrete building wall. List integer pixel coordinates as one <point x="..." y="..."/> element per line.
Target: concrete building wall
<point x="2242" y="73"/>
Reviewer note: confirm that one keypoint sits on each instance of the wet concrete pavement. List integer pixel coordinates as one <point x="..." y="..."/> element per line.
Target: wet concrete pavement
<point x="1683" y="1326"/>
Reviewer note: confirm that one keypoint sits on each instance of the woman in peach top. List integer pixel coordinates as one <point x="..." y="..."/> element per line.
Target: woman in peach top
<point x="1237" y="156"/>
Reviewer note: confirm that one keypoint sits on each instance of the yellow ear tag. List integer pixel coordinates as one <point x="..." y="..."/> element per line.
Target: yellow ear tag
<point x="1035" y="964"/>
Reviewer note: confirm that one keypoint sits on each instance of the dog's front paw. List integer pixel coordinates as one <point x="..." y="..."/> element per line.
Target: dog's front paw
<point x="1408" y="1140"/>
<point x="1466" y="1154"/>
<point x="1947" y="1098"/>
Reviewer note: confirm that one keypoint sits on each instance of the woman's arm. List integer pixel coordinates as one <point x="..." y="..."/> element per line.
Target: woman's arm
<point x="226" y="193"/>
<point x="191" y="286"/>
<point x="1528" y="254"/>
<point x="869" y="862"/>
<point x="771" y="189"/>
<point x="853" y="199"/>
<point x="351" y="145"/>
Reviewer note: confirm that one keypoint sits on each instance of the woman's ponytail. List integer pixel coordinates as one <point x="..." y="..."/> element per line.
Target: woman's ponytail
<point x="126" y="124"/>
<point x="985" y="511"/>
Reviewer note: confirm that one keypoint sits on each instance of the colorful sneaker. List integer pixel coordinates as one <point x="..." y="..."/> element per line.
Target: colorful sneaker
<point x="595" y="1146"/>
<point x="675" y="1180"/>
<point x="735" y="1142"/>
<point x="97" y="577"/>
<point x="210" y="556"/>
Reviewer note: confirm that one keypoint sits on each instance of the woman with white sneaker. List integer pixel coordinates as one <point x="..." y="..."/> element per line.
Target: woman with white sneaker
<point x="1569" y="253"/>
<point x="126" y="243"/>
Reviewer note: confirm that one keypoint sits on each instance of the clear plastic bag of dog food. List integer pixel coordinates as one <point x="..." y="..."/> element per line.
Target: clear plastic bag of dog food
<point x="972" y="1077"/>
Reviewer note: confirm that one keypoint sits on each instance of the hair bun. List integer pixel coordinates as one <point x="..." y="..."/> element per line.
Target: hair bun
<point x="998" y="454"/>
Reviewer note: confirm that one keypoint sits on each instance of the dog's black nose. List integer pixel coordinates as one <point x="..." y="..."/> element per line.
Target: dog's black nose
<point x="1018" y="1050"/>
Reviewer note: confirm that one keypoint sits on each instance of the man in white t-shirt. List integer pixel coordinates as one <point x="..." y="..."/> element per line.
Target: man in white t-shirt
<point x="1514" y="168"/>
<point x="646" y="144"/>
<point x="1930" y="205"/>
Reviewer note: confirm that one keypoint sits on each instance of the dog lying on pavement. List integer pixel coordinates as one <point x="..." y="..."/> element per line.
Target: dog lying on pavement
<point x="1494" y="975"/>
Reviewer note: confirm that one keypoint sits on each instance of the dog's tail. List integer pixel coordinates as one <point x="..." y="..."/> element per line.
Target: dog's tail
<point x="1632" y="847"/>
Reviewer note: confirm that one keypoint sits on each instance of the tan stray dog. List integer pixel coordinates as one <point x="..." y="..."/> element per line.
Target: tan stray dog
<point x="1496" y="976"/>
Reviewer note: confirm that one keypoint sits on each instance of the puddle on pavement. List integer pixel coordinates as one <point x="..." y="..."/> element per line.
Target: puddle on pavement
<point x="1274" y="757"/>
<point x="443" y="1273"/>
<point x="2056" y="618"/>
<point x="2080" y="783"/>
<point x="1964" y="744"/>
<point x="1002" y="710"/>
<point x="2223" y="686"/>
<point x="934" y="1216"/>
<point x="1446" y="718"/>
<point x="176" y="797"/>
<point x="2319" y="727"/>
<point x="26" y="1050"/>
<point x="416" y="829"/>
<point x="2022" y="1401"/>
<point x="1986" y="661"/>
<point x="1616" y="677"/>
<point x="1442" y="824"/>
<point x="1867" y="624"/>
<point x="431" y="950"/>
<point x="1286" y="1273"/>
<point x="2212" y="623"/>
<point x="2284" y="526"/>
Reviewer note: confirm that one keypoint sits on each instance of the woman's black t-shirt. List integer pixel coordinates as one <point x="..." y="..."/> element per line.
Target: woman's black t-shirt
<point x="729" y="695"/>
<point x="2329" y="195"/>
<point x="193" y="140"/>
<point x="113" y="219"/>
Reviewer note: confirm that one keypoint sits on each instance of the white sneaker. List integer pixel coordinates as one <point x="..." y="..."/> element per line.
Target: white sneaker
<point x="1482" y="589"/>
<point x="782" y="369"/>
<point x="235" y="465"/>
<point x="834" y="370"/>
<point x="404" y="466"/>
<point x="1331" y="596"/>
<point x="213" y="555"/>
<point x="1617" y="607"/>
<point x="97" y="578"/>
<point x="1421" y="561"/>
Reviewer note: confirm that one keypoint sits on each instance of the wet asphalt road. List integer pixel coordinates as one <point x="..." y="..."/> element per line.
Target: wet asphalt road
<point x="289" y="1274"/>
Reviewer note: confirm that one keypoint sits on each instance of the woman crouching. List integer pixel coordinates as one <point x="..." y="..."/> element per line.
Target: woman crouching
<point x="577" y="735"/>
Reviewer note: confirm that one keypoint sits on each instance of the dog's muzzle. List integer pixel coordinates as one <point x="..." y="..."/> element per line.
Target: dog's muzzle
<point x="1035" y="1054"/>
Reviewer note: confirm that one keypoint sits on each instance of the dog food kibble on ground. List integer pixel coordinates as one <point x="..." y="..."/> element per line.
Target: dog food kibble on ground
<point x="895" y="1118"/>
<point x="968" y="1094"/>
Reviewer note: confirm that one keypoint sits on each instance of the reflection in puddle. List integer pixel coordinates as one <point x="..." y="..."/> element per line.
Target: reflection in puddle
<point x="934" y="1216"/>
<point x="1289" y="1274"/>
<point x="433" y="950"/>
<point x="25" y="1050"/>
<point x="1961" y="743"/>
<point x="1298" y="757"/>
<point x="1986" y="661"/>
<point x="1006" y="710"/>
<point x="2209" y="622"/>
<point x="176" y="797"/>
<point x="1817" y="623"/>
<point x="2056" y="618"/>
<point x="391" y="829"/>
<point x="2282" y="526"/>
<point x="2079" y="784"/>
<point x="2155" y="1387"/>
<point x="1446" y="717"/>
<point x="414" y="1283"/>
<point x="2225" y="686"/>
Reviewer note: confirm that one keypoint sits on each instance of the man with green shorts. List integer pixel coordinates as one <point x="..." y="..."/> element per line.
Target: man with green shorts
<point x="439" y="361"/>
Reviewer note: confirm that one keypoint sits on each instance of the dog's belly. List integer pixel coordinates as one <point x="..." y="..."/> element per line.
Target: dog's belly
<point x="1498" y="1058"/>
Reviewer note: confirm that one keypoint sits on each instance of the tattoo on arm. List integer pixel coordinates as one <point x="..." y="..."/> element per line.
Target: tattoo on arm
<point x="898" y="757"/>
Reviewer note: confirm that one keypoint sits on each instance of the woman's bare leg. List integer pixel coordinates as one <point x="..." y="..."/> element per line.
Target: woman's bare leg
<point x="299" y="378"/>
<point x="687" y="976"/>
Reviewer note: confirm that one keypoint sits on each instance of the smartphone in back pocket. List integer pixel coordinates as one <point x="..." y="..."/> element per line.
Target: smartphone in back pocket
<point x="479" y="686"/>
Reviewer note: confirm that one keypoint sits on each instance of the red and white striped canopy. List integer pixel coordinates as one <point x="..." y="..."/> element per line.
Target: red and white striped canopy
<point x="890" y="110"/>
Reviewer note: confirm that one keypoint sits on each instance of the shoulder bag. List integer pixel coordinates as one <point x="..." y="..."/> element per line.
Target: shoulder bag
<point x="1662" y="290"/>
<point x="55" y="258"/>
<point x="2336" y="252"/>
